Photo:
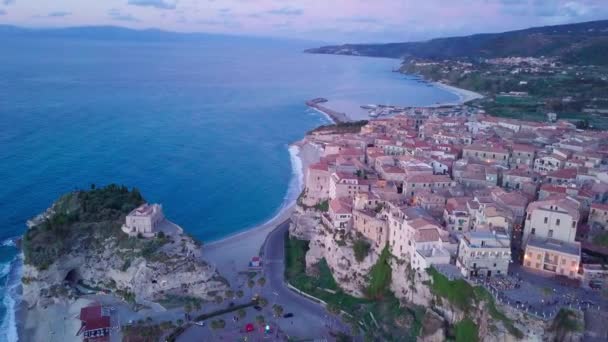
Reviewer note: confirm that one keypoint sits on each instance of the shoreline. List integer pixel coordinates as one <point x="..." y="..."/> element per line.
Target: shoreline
<point x="247" y="243"/>
<point x="464" y="95"/>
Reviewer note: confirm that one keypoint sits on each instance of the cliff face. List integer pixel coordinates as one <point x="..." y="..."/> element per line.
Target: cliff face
<point x="415" y="287"/>
<point x="88" y="253"/>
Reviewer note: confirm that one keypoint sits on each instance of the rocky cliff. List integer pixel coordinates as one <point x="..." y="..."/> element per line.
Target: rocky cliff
<point x="454" y="307"/>
<point x="77" y="247"/>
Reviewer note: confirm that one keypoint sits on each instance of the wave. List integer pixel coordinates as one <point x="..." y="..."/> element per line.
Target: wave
<point x="323" y="114"/>
<point x="8" y="326"/>
<point x="10" y="242"/>
<point x="296" y="183"/>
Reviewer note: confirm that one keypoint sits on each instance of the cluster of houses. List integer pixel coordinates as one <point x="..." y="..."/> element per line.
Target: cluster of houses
<point x="475" y="191"/>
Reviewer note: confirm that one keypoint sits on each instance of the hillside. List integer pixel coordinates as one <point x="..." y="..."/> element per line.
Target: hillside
<point x="77" y="247"/>
<point x="581" y="43"/>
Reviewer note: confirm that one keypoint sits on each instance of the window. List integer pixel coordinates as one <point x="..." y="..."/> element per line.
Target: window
<point x="533" y="231"/>
<point x="573" y="224"/>
<point x="528" y="263"/>
<point x="563" y="261"/>
<point x="573" y="263"/>
<point x="546" y="219"/>
<point x="537" y="257"/>
<point x="557" y="222"/>
<point x="529" y="216"/>
<point x="551" y="233"/>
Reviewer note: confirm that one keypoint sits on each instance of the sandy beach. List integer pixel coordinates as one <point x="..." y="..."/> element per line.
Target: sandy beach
<point x="232" y="254"/>
<point x="58" y="322"/>
<point x="463" y="94"/>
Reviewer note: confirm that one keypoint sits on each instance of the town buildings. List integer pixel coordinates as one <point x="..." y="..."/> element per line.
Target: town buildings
<point x="448" y="186"/>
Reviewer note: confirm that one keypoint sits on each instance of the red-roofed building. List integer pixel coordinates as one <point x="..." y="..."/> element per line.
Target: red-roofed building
<point x="95" y="324"/>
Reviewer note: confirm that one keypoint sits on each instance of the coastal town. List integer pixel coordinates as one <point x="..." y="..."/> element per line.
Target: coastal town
<point x="511" y="215"/>
<point x="518" y="207"/>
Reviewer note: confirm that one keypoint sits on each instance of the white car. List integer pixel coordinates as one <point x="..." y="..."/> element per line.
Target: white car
<point x="200" y="324"/>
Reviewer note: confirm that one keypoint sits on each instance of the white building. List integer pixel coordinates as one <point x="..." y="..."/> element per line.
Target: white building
<point x="484" y="253"/>
<point x="145" y="220"/>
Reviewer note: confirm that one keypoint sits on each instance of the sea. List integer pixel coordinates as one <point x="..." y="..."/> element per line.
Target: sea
<point x="202" y="127"/>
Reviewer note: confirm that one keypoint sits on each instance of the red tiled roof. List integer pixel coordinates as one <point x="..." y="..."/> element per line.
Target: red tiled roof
<point x="599" y="206"/>
<point x="563" y="173"/>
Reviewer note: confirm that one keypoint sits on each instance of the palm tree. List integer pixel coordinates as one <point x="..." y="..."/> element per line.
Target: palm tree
<point x="278" y="310"/>
<point x="261" y="281"/>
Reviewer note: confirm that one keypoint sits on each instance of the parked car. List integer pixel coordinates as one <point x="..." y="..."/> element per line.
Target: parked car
<point x="257" y="307"/>
<point x="200" y="323"/>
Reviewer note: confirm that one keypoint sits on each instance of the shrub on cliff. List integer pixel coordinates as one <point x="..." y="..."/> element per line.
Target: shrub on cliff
<point x="466" y="331"/>
<point x="81" y="219"/>
<point x="380" y="276"/>
<point x="361" y="248"/>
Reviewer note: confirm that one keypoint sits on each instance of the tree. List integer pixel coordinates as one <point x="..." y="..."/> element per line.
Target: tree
<point x="180" y="322"/>
<point x="380" y="276"/>
<point x="250" y="283"/>
<point x="229" y="294"/>
<point x="218" y="324"/>
<point x="261" y="281"/>
<point x="262" y="301"/>
<point x="333" y="308"/>
<point x="361" y="249"/>
<point x="197" y="305"/>
<point x="219" y="299"/>
<point x="240" y="293"/>
<point x="260" y="319"/>
<point x="278" y="310"/>
<point x="242" y="313"/>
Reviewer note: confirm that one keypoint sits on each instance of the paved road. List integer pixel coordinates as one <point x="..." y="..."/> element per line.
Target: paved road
<point x="311" y="319"/>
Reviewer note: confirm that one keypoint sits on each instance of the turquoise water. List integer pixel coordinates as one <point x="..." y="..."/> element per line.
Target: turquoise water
<point x="202" y="128"/>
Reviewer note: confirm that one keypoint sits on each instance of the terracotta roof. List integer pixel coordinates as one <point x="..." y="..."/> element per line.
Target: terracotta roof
<point x="340" y="206"/>
<point x="599" y="206"/>
<point x="427" y="235"/>
<point x="428" y="179"/>
<point x="563" y="174"/>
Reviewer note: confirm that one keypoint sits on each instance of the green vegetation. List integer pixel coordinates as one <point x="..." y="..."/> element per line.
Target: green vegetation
<point x="390" y="322"/>
<point x="277" y="310"/>
<point x="581" y="43"/>
<point x="261" y="281"/>
<point x="464" y="296"/>
<point x="82" y="219"/>
<point x="142" y="333"/>
<point x="482" y="294"/>
<point x="361" y="248"/>
<point x="322" y="206"/>
<point x="340" y="128"/>
<point x="171" y="301"/>
<point x="242" y="313"/>
<point x="466" y="331"/>
<point x="218" y="324"/>
<point x="601" y="239"/>
<point x="458" y="292"/>
<point x="380" y="276"/>
<point x="565" y="322"/>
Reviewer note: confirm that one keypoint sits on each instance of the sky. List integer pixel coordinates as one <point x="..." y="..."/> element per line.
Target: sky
<point x="337" y="21"/>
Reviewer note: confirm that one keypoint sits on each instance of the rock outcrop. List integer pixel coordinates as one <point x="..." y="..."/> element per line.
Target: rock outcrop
<point x="77" y="247"/>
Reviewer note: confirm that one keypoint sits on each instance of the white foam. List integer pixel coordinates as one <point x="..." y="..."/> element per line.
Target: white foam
<point x="325" y="115"/>
<point x="297" y="180"/>
<point x="8" y="326"/>
<point x="8" y="242"/>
